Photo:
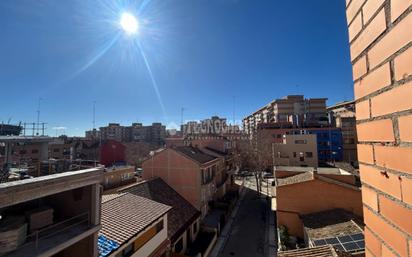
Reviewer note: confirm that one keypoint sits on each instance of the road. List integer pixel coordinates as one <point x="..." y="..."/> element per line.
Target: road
<point x="249" y="231"/>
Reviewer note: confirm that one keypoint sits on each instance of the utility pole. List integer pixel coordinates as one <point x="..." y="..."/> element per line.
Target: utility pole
<point x="94" y="115"/>
<point x="38" y="117"/>
<point x="181" y="119"/>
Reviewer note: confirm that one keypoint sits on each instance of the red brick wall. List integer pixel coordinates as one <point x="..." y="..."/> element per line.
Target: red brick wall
<point x="380" y="35"/>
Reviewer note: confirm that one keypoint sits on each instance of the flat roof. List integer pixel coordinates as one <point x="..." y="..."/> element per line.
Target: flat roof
<point x="19" y="191"/>
<point x="25" y="139"/>
<point x="331" y="223"/>
<point x="320" y="170"/>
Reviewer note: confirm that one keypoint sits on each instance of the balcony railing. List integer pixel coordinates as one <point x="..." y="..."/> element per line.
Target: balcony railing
<point x="45" y="239"/>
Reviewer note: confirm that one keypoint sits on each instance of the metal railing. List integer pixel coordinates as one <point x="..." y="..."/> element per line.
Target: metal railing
<point x="57" y="228"/>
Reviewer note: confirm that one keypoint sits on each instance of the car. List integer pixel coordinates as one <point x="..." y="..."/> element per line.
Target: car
<point x="267" y="175"/>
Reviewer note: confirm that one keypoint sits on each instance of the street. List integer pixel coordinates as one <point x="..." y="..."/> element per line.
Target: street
<point x="248" y="236"/>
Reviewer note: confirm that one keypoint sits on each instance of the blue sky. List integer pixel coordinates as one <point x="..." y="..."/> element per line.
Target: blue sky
<point x="204" y="55"/>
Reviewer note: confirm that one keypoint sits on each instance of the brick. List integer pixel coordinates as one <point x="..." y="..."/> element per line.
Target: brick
<point x="368" y="35"/>
<point x="359" y="68"/>
<point x="370" y="8"/>
<point x="365" y="153"/>
<point x="355" y="27"/>
<point x="394" y="238"/>
<point x="370" y="198"/>
<point x="373" y="244"/>
<point x="405" y="128"/>
<point x="376" y="131"/>
<point x="398" y="7"/>
<point x="396" y="158"/>
<point x="374" y="81"/>
<point x="373" y="177"/>
<point x="396" y="213"/>
<point x="391" y="42"/>
<point x="362" y="110"/>
<point x="353" y="8"/>
<point x="406" y="190"/>
<point x="394" y="100"/>
<point x="403" y="65"/>
<point x="386" y="252"/>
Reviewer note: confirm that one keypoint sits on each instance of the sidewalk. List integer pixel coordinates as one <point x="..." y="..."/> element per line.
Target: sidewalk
<point x="224" y="236"/>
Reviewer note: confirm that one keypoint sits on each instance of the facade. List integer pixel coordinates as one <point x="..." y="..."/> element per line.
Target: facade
<point x="343" y="116"/>
<point x="56" y="215"/>
<point x="189" y="171"/>
<point x="116" y="176"/>
<point x="380" y="46"/>
<point x="183" y="219"/>
<point x="328" y="140"/>
<point x="112" y="152"/>
<point x="292" y="110"/>
<point x="296" y="150"/>
<point x="137" y="132"/>
<point x="298" y="192"/>
<point x="133" y="226"/>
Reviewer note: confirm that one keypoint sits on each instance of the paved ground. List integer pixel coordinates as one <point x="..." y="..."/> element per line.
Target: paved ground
<point x="249" y="231"/>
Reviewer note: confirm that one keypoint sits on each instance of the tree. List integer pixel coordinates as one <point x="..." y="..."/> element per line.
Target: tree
<point x="255" y="155"/>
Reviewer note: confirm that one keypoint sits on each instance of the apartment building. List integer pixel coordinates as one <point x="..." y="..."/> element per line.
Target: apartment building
<point x="137" y="132"/>
<point x="55" y="215"/>
<point x="328" y="140"/>
<point x="296" y="150"/>
<point x="342" y="115"/>
<point x="189" y="171"/>
<point x="133" y="226"/>
<point x="292" y="110"/>
<point x="380" y="46"/>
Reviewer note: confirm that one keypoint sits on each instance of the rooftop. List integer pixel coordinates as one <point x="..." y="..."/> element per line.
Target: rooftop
<point x="182" y="213"/>
<point x="320" y="170"/>
<point x="126" y="215"/>
<point x="320" y="251"/>
<point x="19" y="191"/>
<point x="331" y="223"/>
<point x="195" y="154"/>
<point x="306" y="176"/>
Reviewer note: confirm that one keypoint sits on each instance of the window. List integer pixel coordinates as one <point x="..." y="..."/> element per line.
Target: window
<point x="179" y="245"/>
<point x="294" y="154"/>
<point x="309" y="154"/>
<point x="302" y="141"/>
<point x="56" y="150"/>
<point x="34" y="151"/>
<point x="23" y="152"/>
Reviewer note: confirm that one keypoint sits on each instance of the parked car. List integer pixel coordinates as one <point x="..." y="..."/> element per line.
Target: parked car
<point x="267" y="175"/>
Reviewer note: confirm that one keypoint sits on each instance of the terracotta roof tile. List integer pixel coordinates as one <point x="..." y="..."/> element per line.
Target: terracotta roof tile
<point x="195" y="154"/>
<point x="126" y="215"/>
<point x="182" y="213"/>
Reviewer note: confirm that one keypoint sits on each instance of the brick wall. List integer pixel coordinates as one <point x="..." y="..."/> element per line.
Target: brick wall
<point x="380" y="35"/>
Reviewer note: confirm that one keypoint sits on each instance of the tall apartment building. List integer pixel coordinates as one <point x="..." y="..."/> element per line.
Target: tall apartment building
<point x="292" y="110"/>
<point x="137" y="132"/>
<point x="56" y="215"/>
<point x="381" y="53"/>
<point x="342" y="115"/>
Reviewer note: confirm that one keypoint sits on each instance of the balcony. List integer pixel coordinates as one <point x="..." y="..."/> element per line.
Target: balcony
<point x="56" y="237"/>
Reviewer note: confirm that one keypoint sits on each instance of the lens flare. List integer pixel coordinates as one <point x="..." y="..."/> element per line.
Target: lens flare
<point x="129" y="23"/>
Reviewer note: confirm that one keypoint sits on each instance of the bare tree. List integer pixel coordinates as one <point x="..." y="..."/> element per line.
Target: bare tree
<point x="255" y="155"/>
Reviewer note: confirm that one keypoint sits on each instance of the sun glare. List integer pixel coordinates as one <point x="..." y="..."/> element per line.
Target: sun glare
<point x="129" y="23"/>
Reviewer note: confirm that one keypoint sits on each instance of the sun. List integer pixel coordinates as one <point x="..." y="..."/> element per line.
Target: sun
<point x="129" y="23"/>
